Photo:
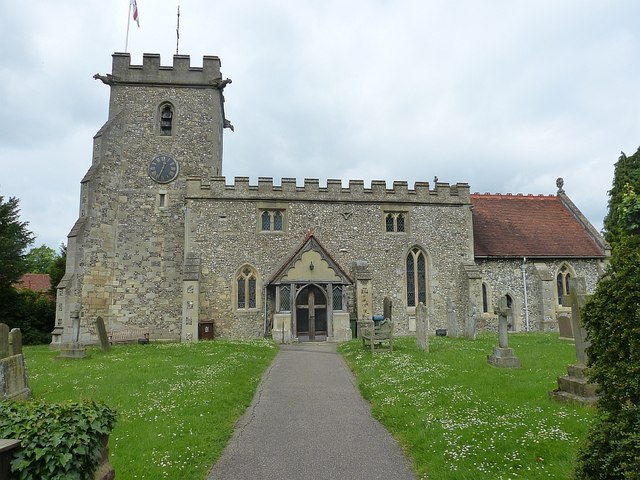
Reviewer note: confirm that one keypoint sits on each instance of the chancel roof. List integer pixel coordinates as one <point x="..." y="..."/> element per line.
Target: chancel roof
<point x="532" y="226"/>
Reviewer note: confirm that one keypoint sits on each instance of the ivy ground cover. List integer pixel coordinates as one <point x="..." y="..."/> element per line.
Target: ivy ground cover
<point x="460" y="418"/>
<point x="176" y="403"/>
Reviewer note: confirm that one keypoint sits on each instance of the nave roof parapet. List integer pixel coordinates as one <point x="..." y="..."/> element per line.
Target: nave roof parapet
<point x="332" y="191"/>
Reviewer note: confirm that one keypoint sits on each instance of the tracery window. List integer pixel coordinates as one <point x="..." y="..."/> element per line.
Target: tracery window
<point x="395" y="222"/>
<point x="563" y="281"/>
<point x="166" y="119"/>
<point x="271" y="220"/>
<point x="246" y="282"/>
<point x="416" y="271"/>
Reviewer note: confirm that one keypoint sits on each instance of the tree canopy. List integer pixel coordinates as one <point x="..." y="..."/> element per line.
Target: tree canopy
<point x="15" y="237"/>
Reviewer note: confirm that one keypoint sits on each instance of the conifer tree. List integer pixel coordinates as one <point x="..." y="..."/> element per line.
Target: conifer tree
<point x="612" y="320"/>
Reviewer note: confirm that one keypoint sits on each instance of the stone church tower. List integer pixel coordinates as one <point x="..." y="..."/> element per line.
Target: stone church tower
<point x="126" y="251"/>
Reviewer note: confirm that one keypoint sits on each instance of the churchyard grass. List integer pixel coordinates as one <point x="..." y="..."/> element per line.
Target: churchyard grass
<point x="460" y="418"/>
<point x="176" y="403"/>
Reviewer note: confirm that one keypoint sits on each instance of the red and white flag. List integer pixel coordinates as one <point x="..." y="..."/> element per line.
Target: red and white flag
<point x="134" y="4"/>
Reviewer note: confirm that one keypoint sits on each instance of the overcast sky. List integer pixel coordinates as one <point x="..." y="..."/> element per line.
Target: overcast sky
<point x="506" y="95"/>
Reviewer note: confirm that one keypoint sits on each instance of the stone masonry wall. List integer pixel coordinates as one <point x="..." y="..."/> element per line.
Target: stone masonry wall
<point x="226" y="235"/>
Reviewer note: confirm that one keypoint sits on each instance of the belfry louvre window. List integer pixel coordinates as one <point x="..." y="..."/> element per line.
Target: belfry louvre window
<point x="246" y="283"/>
<point x="166" y="120"/>
<point x="564" y="283"/>
<point x="395" y="222"/>
<point x="416" y="277"/>
<point x="271" y="220"/>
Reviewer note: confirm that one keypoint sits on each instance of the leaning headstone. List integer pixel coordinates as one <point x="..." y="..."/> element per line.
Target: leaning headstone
<point x="15" y="340"/>
<point x="4" y="340"/>
<point x="452" y="320"/>
<point x="575" y="387"/>
<point x="386" y="308"/>
<point x="422" y="327"/>
<point x="502" y="355"/>
<point x="102" y="334"/>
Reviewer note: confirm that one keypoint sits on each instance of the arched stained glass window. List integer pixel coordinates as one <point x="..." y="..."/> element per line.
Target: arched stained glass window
<point x="416" y="271"/>
<point x="246" y="284"/>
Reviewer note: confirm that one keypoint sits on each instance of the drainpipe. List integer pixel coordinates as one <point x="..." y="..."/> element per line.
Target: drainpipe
<point x="526" y="301"/>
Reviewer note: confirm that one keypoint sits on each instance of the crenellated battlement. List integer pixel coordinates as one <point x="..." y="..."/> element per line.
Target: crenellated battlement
<point x="152" y="72"/>
<point x="333" y="191"/>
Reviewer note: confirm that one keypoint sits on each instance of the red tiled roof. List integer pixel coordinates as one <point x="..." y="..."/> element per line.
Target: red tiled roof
<point x="38" y="282"/>
<point x="529" y="226"/>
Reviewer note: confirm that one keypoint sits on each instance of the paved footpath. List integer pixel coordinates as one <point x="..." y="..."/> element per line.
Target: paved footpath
<point x="308" y="421"/>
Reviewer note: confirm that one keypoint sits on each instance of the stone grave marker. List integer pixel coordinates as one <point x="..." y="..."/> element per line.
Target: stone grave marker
<point x="470" y="324"/>
<point x="14" y="384"/>
<point x="452" y="319"/>
<point x="73" y="349"/>
<point x="422" y="327"/>
<point x="502" y="355"/>
<point x="386" y="308"/>
<point x="102" y="334"/>
<point x="15" y="341"/>
<point x="4" y="340"/>
<point x="575" y="387"/>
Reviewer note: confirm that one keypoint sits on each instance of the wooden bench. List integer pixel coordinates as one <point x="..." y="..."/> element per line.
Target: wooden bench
<point x="129" y="335"/>
<point x="373" y="334"/>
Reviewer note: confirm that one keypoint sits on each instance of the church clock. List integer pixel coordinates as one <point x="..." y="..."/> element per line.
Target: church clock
<point x="163" y="169"/>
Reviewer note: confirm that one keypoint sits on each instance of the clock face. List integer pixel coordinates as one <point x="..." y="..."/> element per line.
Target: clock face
<point x="163" y="169"/>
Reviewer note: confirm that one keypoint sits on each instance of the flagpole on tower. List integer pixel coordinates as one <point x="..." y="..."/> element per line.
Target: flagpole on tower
<point x="126" y="42"/>
<point x="178" y="30"/>
<point x="134" y="4"/>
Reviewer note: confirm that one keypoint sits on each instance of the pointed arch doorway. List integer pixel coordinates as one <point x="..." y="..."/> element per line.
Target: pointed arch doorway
<point x="311" y="314"/>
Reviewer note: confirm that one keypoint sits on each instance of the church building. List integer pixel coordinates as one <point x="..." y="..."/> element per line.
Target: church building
<point x="165" y="242"/>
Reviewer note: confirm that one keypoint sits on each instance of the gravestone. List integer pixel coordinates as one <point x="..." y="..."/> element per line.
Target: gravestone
<point x="4" y="340"/>
<point x="386" y="308"/>
<point x="14" y="384"/>
<point x="74" y="349"/>
<point x="575" y="387"/>
<point x="470" y="327"/>
<point x="502" y="355"/>
<point x="422" y="327"/>
<point x="452" y="319"/>
<point x="15" y="341"/>
<point x="102" y="334"/>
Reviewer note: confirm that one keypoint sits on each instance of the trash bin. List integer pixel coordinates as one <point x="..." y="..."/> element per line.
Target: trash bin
<point x="353" y="320"/>
<point x="441" y="332"/>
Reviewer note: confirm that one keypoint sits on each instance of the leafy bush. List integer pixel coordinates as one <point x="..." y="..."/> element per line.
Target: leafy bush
<point x="612" y="320"/>
<point x="59" y="441"/>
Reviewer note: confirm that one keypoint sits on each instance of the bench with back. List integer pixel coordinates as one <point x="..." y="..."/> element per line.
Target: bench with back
<point x="373" y="334"/>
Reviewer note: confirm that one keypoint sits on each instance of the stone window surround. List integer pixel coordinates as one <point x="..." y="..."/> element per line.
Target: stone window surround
<point x="161" y="107"/>
<point x="411" y="308"/>
<point x="572" y="274"/>
<point x="281" y="207"/>
<point x="395" y="211"/>
<point x="234" y="289"/>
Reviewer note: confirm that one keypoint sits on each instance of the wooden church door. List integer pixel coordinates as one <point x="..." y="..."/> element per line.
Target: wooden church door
<point x="311" y="314"/>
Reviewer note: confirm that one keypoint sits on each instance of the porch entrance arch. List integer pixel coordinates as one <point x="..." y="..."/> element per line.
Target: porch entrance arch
<point x="311" y="313"/>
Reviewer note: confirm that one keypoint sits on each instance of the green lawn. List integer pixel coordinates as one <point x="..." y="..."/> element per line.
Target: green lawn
<point x="176" y="403"/>
<point x="456" y="416"/>
<point x="459" y="418"/>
